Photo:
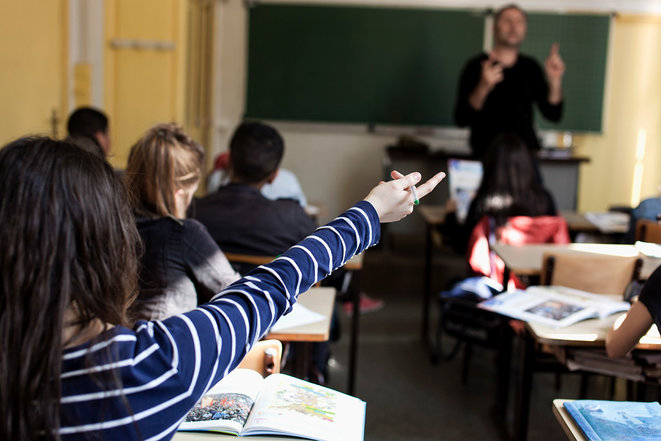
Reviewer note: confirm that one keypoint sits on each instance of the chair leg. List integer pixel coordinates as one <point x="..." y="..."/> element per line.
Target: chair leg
<point x="468" y="353"/>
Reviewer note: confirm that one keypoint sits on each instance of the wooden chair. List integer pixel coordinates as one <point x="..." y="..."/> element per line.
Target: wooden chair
<point x="592" y="273"/>
<point x="265" y="357"/>
<point x="648" y="231"/>
<point x="243" y="263"/>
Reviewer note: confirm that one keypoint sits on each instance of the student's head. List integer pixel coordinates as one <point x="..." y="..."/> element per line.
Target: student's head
<point x="509" y="185"/>
<point x="68" y="259"/>
<point x="256" y="150"/>
<point x="89" y="124"/>
<point x="509" y="26"/>
<point x="163" y="171"/>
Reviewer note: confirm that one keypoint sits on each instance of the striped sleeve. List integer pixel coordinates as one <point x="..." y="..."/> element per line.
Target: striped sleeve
<point x="165" y="367"/>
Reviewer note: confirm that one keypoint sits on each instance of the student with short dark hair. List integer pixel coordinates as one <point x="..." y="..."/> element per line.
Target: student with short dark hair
<point x="71" y="366"/>
<point x="238" y="216"/>
<point x="182" y="265"/>
<point x="88" y="128"/>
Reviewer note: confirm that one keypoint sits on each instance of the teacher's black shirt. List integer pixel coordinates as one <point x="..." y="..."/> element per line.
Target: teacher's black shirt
<point x="509" y="105"/>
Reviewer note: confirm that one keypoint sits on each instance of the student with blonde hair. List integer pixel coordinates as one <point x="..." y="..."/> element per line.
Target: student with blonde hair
<point x="182" y="265"/>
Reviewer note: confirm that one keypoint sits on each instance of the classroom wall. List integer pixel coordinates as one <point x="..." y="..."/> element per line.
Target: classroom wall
<point x="625" y="161"/>
<point x="337" y="165"/>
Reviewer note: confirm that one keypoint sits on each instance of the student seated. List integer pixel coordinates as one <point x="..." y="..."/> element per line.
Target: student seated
<point x="242" y="220"/>
<point x="238" y="216"/>
<point x="284" y="186"/>
<point x="644" y="312"/>
<point x="181" y="265"/>
<point x="87" y="127"/>
<point x="510" y="205"/>
<point x="73" y="367"/>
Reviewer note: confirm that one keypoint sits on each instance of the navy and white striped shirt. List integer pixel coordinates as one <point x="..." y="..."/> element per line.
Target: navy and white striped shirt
<point x="164" y="367"/>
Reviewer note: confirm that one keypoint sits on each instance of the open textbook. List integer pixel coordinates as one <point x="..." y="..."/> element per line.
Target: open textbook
<point x="555" y="306"/>
<point x="243" y="403"/>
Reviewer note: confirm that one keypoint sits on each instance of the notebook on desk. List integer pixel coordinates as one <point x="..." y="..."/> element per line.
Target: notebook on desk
<point x="616" y="420"/>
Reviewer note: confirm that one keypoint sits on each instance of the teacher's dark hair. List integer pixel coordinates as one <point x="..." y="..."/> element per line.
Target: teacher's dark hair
<point x="68" y="250"/>
<point x="500" y="11"/>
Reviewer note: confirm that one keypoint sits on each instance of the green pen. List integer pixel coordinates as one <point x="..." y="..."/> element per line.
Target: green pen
<point x="415" y="196"/>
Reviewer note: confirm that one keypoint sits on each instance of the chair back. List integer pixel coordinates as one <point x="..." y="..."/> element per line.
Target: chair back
<point x="265" y="357"/>
<point x="590" y="272"/>
<point x="648" y="231"/>
<point x="243" y="263"/>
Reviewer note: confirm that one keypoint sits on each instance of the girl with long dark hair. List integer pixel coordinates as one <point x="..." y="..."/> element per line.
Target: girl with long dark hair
<point x="71" y="366"/>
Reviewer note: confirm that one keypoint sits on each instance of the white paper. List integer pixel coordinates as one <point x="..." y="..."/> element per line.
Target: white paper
<point x="609" y="222"/>
<point x="299" y="315"/>
<point x="649" y="249"/>
<point x="464" y="179"/>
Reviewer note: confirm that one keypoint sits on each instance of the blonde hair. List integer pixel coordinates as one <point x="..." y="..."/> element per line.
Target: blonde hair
<point x="164" y="160"/>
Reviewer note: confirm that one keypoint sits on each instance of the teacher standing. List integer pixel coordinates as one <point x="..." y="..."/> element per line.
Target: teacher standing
<point x="497" y="90"/>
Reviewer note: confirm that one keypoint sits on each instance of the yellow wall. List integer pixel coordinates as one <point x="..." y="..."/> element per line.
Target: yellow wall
<point x="33" y="72"/>
<point x="633" y="111"/>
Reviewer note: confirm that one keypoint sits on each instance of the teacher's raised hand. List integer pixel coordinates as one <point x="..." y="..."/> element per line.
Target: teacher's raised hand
<point x="555" y="67"/>
<point x="393" y="200"/>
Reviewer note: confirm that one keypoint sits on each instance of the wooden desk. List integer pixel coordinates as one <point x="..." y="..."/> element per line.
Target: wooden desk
<point x="579" y="223"/>
<point x="197" y="436"/>
<point x="573" y="432"/>
<point x="319" y="300"/>
<point x="527" y="259"/>
<point x="588" y="333"/>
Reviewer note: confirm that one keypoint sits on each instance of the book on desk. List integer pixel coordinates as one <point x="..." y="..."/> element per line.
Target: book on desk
<point x="243" y="403"/>
<point x="616" y="420"/>
<point x="555" y="306"/>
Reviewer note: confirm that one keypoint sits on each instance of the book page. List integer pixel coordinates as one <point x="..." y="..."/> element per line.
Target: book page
<point x="294" y="407"/>
<point x="225" y="408"/>
<point x="540" y="305"/>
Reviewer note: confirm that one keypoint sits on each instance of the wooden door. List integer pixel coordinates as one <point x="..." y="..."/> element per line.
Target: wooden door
<point x="33" y="42"/>
<point x="145" y="66"/>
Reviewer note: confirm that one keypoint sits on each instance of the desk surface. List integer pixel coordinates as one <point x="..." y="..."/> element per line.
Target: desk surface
<point x="195" y="436"/>
<point x="527" y="259"/>
<point x="573" y="432"/>
<point x="576" y="222"/>
<point x="319" y="300"/>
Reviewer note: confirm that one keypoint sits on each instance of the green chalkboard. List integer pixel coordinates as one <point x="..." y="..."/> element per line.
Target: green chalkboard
<point x="357" y="64"/>
<point x="583" y="41"/>
<point x="400" y="66"/>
